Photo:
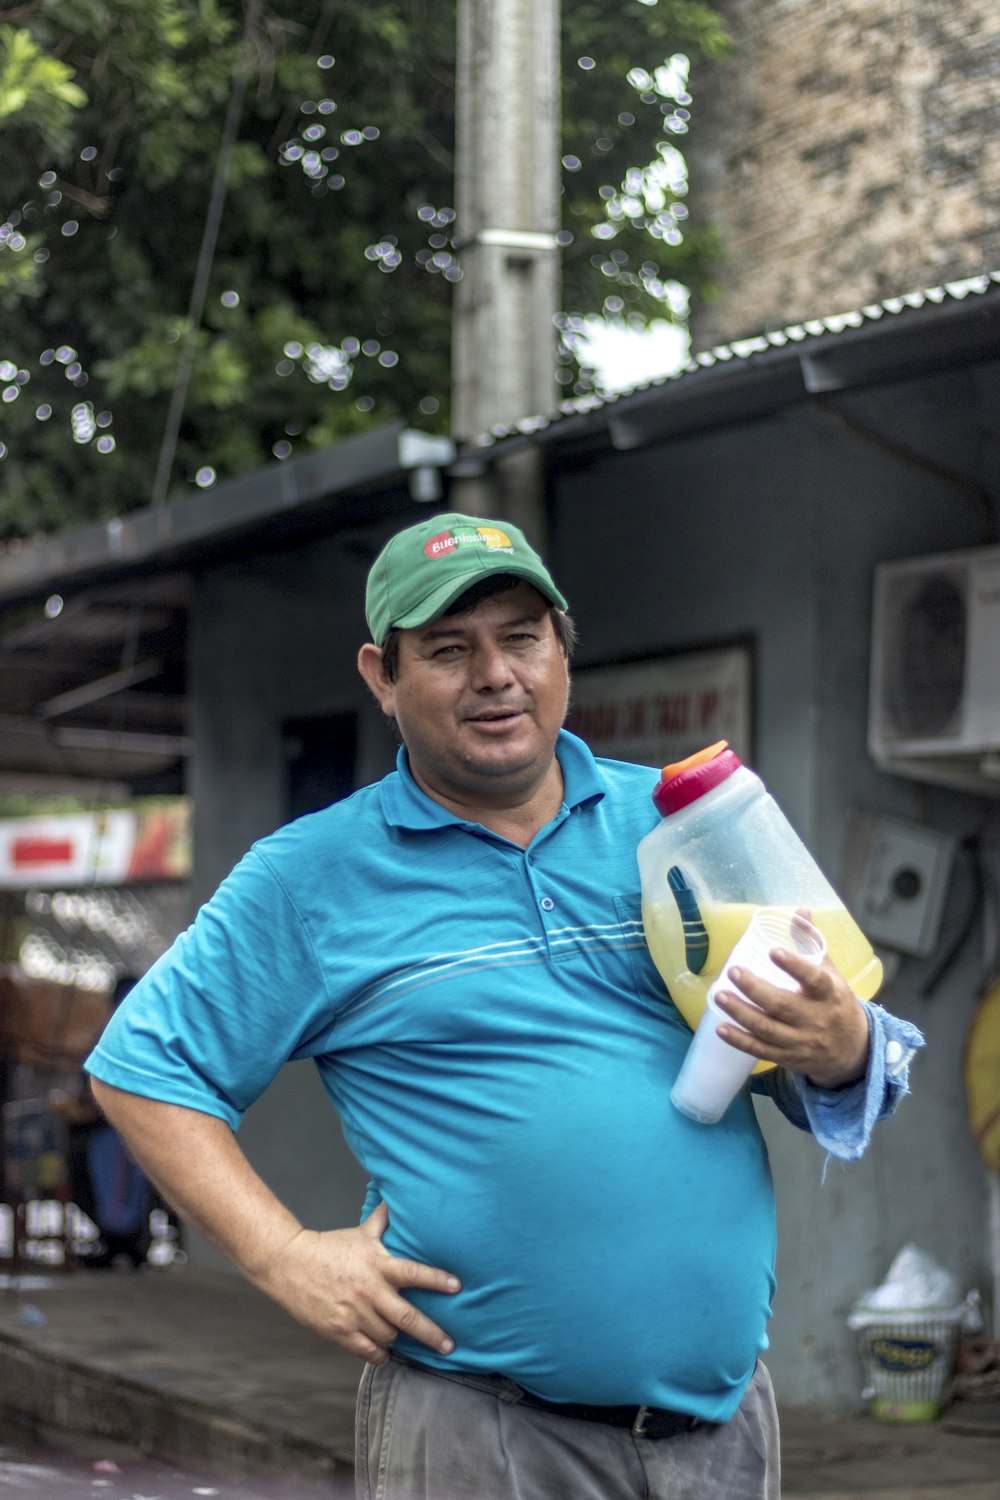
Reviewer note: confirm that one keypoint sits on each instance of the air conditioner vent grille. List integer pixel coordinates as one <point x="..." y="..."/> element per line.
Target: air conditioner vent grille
<point x="924" y="689"/>
<point x="934" y="691"/>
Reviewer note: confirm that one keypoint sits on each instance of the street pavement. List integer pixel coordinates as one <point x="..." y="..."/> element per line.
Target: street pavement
<point x="192" y="1373"/>
<point x="38" y="1463"/>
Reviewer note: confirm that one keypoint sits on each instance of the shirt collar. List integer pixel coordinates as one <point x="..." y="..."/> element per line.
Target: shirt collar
<point x="404" y="805"/>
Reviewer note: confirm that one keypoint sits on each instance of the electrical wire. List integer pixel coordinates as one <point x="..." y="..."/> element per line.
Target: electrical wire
<point x="206" y="257"/>
<point x="971" y="847"/>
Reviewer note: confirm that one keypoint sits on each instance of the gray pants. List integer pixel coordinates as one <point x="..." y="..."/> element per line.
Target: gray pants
<point x="431" y="1437"/>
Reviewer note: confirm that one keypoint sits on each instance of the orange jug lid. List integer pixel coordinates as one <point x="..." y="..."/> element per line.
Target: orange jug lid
<point x="697" y="759"/>
<point x="686" y="780"/>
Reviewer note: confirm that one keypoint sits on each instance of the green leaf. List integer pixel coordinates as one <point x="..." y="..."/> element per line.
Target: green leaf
<point x="32" y="80"/>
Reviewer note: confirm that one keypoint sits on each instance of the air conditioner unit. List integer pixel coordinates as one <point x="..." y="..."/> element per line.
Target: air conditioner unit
<point x="934" y="696"/>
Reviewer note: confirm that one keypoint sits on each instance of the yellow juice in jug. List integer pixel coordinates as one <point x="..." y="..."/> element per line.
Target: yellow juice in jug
<point x="725" y="924"/>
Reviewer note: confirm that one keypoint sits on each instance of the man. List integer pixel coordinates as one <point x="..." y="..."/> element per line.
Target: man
<point x="104" y="1183"/>
<point x="560" y="1285"/>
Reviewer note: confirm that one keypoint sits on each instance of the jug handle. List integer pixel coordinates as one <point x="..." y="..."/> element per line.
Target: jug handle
<point x="695" y="932"/>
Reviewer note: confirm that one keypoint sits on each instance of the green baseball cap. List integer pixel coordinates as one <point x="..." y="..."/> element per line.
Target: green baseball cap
<point x="421" y="571"/>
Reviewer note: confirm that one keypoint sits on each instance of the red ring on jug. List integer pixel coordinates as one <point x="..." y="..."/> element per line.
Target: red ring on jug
<point x="687" y="785"/>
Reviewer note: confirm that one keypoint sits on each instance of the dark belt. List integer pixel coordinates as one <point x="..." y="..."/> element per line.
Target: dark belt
<point x="641" y="1421"/>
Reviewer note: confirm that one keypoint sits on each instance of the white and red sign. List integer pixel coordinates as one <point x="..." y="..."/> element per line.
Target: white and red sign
<point x="116" y="847"/>
<point x="655" y="712"/>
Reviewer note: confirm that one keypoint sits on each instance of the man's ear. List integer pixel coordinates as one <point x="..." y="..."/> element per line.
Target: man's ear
<point x="379" y="685"/>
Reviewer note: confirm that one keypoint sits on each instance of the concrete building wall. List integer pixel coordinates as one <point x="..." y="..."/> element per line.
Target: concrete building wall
<point x="769" y="530"/>
<point x="273" y="638"/>
<point x="846" y="152"/>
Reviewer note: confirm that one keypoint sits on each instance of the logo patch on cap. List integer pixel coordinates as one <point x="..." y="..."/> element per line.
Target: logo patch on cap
<point x="490" y="537"/>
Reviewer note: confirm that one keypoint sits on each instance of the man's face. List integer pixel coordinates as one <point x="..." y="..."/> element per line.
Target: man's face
<point x="479" y="699"/>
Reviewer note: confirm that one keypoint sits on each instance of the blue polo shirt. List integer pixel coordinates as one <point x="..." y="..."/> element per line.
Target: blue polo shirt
<point x="500" y="1049"/>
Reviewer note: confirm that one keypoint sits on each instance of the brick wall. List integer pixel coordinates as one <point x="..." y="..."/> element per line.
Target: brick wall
<point x="849" y="150"/>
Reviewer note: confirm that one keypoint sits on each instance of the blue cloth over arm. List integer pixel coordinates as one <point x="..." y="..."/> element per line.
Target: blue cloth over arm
<point x="842" y="1119"/>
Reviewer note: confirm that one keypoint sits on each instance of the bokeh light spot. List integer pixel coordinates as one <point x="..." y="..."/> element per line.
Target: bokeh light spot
<point x="82" y="422"/>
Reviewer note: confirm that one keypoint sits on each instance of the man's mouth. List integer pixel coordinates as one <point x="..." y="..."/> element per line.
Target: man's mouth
<point x="498" y="716"/>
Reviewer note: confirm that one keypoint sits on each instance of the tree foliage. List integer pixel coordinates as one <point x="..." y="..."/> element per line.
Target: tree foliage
<point x="328" y="306"/>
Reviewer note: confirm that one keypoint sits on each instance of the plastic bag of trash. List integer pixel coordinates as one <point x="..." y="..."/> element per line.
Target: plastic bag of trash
<point x="914" y="1283"/>
<point x="914" y="1280"/>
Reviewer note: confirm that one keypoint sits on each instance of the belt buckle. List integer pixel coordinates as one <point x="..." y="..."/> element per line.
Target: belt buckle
<point x="639" y="1425"/>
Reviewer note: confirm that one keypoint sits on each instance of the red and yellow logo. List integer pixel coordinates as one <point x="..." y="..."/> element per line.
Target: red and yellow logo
<point x="490" y="537"/>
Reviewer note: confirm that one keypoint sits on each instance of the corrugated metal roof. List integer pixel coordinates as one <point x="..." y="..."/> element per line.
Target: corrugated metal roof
<point x="746" y="351"/>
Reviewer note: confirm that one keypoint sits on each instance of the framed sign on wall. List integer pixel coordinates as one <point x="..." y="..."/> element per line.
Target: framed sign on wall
<point x="660" y="710"/>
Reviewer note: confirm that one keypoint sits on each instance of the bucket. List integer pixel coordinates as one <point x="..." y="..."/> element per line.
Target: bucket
<point x="908" y="1358"/>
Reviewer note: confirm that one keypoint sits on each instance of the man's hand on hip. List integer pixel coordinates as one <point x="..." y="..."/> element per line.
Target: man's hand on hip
<point x="345" y="1285"/>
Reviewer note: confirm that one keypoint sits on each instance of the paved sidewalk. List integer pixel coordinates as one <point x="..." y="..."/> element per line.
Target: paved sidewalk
<point x="197" y="1366"/>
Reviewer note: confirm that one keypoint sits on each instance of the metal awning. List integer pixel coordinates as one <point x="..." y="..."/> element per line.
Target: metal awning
<point x="93" y="630"/>
<point x="93" y="689"/>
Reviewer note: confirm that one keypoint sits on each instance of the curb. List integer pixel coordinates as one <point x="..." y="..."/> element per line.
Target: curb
<point x="59" y="1393"/>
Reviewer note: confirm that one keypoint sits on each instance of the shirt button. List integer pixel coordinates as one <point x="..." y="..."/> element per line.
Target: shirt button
<point x="896" y="1057"/>
<point x="546" y="903"/>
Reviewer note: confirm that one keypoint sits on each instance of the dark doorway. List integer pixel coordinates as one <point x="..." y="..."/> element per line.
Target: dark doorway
<point x="320" y="753"/>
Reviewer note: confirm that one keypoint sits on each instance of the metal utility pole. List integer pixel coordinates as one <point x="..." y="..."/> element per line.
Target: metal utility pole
<point x="507" y="204"/>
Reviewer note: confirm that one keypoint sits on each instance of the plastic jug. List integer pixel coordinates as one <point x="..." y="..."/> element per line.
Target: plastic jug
<point x="723" y="849"/>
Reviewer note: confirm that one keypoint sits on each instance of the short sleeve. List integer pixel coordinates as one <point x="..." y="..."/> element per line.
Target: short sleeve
<point x="236" y="996"/>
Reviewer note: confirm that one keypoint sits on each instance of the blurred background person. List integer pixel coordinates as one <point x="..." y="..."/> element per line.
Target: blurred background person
<point x="104" y="1181"/>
